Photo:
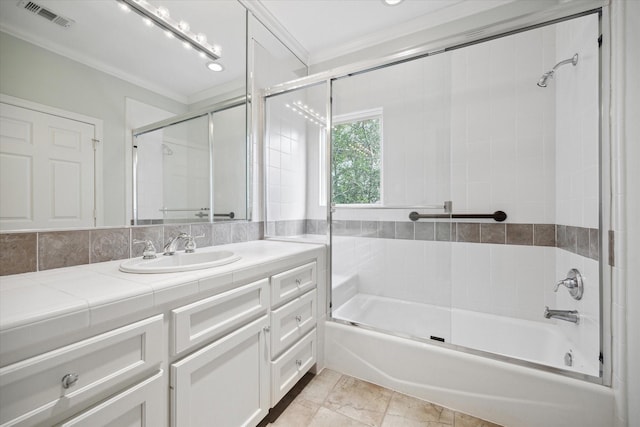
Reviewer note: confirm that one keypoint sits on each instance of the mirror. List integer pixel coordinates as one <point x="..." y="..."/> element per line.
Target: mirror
<point x="192" y="168"/>
<point x="100" y="64"/>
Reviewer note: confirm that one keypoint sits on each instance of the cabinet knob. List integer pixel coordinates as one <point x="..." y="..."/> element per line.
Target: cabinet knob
<point x="298" y="282"/>
<point x="298" y="318"/>
<point x="69" y="380"/>
<point x="267" y="329"/>
<point x="299" y="363"/>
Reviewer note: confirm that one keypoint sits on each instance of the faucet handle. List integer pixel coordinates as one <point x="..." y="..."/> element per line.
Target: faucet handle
<point x="573" y="283"/>
<point x="190" y="246"/>
<point x="149" y="251"/>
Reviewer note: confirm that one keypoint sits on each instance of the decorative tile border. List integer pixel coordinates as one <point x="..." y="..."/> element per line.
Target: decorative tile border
<point x="578" y="240"/>
<point x="24" y="252"/>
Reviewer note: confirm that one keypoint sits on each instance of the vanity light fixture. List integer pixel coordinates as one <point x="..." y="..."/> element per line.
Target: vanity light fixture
<point x="392" y="2"/>
<point x="179" y="29"/>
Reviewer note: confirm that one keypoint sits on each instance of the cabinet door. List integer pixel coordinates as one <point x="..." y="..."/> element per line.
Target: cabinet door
<point x="141" y="405"/>
<point x="226" y="383"/>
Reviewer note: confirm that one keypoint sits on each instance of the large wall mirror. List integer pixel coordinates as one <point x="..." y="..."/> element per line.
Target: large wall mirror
<point x="79" y="78"/>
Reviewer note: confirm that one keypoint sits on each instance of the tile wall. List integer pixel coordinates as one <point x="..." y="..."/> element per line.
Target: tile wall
<point x="37" y="251"/>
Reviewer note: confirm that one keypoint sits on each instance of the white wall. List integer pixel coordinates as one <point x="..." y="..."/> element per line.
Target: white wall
<point x="625" y="154"/>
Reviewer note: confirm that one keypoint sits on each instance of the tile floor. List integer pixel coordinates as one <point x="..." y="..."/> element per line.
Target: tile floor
<point x="334" y="400"/>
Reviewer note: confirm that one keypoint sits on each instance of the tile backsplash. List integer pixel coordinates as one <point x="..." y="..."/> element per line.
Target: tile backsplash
<point x="24" y="252"/>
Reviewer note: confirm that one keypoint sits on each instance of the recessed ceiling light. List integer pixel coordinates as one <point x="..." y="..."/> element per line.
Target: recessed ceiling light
<point x="392" y="2"/>
<point x="214" y="66"/>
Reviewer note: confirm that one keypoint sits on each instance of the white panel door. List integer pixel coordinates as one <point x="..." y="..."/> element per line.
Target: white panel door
<point x="47" y="170"/>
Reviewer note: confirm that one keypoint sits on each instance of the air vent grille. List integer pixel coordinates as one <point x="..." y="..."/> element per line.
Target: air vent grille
<point x="47" y="14"/>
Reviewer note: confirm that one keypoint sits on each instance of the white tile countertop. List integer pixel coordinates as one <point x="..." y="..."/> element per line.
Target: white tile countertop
<point x="40" y="305"/>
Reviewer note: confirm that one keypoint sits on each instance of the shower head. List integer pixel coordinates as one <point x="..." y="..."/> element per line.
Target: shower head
<point x="546" y="76"/>
<point x="549" y="74"/>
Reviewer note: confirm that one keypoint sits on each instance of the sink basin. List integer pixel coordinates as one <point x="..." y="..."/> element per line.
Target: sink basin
<point x="180" y="261"/>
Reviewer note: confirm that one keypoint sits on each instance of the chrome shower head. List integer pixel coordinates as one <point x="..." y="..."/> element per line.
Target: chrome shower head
<point x="546" y="76"/>
<point x="549" y="74"/>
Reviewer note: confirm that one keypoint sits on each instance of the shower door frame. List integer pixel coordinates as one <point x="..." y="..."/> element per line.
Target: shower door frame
<point x="457" y="42"/>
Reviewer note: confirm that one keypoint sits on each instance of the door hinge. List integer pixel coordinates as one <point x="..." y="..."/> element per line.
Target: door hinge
<point x="95" y="143"/>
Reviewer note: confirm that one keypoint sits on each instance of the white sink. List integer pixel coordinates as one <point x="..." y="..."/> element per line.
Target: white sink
<point x="180" y="261"/>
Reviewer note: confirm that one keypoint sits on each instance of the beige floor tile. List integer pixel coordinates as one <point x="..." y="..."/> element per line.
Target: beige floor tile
<point x="464" y="420"/>
<point x="418" y="410"/>
<point x="359" y="400"/>
<point x="297" y="414"/>
<point x="327" y="418"/>
<point x="398" y="421"/>
<point x="320" y="386"/>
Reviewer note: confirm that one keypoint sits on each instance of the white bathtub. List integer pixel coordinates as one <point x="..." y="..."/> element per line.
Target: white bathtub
<point x="505" y="393"/>
<point x="536" y="342"/>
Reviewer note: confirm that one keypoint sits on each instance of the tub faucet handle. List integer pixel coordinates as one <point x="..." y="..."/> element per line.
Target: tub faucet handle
<point x="573" y="283"/>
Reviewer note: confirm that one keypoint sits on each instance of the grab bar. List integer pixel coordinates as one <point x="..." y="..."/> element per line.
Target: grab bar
<point x="230" y="215"/>
<point x="497" y="216"/>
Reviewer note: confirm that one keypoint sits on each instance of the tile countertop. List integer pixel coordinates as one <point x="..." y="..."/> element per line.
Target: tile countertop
<point x="75" y="298"/>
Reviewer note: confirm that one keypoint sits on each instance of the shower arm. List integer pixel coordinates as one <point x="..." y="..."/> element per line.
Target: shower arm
<point x="573" y="60"/>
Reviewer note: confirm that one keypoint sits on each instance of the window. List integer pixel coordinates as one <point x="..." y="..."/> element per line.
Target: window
<point x="357" y="158"/>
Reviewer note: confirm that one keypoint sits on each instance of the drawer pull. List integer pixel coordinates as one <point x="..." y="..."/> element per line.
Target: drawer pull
<point x="69" y="380"/>
<point x="298" y="282"/>
<point x="298" y="318"/>
<point x="299" y="362"/>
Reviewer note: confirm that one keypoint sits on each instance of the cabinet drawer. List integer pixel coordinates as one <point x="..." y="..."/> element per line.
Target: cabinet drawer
<point x="213" y="317"/>
<point x="141" y="405"/>
<point x="291" y="321"/>
<point x="291" y="283"/>
<point x="42" y="388"/>
<point x="291" y="366"/>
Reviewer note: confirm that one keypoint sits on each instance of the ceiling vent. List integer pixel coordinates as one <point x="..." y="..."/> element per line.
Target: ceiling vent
<point x="47" y="14"/>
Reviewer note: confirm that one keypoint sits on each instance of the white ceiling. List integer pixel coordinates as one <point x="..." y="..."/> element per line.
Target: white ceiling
<point x="106" y="38"/>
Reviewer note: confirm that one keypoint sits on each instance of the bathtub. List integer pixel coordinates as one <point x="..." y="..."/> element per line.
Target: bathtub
<point x="487" y="387"/>
<point x="537" y="342"/>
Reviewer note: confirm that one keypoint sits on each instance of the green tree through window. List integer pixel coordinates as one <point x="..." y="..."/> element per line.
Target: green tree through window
<point x="356" y="162"/>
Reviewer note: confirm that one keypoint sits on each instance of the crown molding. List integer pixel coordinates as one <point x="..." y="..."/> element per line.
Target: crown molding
<point x="272" y="23"/>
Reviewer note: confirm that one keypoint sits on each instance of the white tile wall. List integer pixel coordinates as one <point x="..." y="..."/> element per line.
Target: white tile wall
<point x="577" y="130"/>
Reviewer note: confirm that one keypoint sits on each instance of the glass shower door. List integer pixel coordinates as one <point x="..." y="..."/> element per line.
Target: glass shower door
<point x="390" y="157"/>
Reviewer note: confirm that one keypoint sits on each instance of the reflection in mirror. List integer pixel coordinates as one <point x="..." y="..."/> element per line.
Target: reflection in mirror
<point x="191" y="168"/>
<point x="106" y="61"/>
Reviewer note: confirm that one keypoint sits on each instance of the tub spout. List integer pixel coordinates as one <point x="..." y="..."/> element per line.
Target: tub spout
<point x="567" y="315"/>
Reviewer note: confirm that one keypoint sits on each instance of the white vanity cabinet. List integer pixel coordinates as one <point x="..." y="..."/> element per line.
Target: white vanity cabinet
<point x="218" y="347"/>
<point x="53" y="386"/>
<point x="259" y="346"/>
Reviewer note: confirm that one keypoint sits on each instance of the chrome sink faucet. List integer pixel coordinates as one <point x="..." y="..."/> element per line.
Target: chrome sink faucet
<point x="189" y="247"/>
<point x="170" y="247"/>
<point x="566" y="315"/>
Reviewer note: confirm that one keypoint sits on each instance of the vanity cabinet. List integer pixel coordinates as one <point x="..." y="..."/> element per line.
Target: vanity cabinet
<point x="262" y="340"/>
<point x="217" y="358"/>
<point x="57" y="384"/>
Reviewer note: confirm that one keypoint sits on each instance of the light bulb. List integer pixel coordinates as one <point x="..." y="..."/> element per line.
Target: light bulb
<point x="162" y="12"/>
<point x="124" y="7"/>
<point x="214" y="66"/>
<point x="184" y="26"/>
<point x="169" y="34"/>
<point x="148" y="22"/>
<point x="186" y="45"/>
<point x="202" y="38"/>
